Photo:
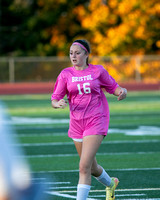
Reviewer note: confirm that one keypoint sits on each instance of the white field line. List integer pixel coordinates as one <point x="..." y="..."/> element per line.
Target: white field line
<point x="63" y="187"/>
<point x="97" y="196"/>
<point x="71" y="143"/>
<point x="91" y="197"/>
<point x="39" y="179"/>
<point x="56" y="183"/>
<point x="38" y="120"/>
<point x="76" y="170"/>
<point x="139" y="189"/>
<point x="60" y="183"/>
<point x="76" y="155"/>
<point x="136" y="169"/>
<point x="39" y="134"/>
<point x="117" y="190"/>
<point x="119" y="195"/>
<point x="66" y="195"/>
<point x="63" y="193"/>
<point x="144" y="199"/>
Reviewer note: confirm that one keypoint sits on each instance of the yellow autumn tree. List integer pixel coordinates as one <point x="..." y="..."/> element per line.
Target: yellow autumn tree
<point x="126" y="27"/>
<point x="122" y="27"/>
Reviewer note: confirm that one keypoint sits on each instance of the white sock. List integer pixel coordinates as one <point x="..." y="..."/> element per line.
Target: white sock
<point x="82" y="191"/>
<point x="104" y="178"/>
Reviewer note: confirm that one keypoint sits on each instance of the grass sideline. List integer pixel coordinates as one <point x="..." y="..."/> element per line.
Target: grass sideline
<point x="133" y="158"/>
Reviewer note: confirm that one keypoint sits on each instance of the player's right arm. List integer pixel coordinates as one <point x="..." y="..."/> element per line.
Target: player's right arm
<point x="60" y="90"/>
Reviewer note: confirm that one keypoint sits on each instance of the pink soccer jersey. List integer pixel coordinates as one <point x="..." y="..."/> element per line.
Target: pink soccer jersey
<point x="84" y="91"/>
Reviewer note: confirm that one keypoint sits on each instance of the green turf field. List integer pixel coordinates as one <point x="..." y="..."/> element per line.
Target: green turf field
<point x="131" y="151"/>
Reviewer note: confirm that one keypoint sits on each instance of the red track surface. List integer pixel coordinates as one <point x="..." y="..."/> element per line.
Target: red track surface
<point x="47" y="88"/>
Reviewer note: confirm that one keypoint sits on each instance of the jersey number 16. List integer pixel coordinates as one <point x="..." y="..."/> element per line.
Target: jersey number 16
<point x="86" y="89"/>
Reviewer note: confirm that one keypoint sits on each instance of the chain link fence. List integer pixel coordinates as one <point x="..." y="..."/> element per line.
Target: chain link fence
<point x="44" y="69"/>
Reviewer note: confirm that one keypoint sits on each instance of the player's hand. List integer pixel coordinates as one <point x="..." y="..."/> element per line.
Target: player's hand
<point x="62" y="103"/>
<point x="122" y="94"/>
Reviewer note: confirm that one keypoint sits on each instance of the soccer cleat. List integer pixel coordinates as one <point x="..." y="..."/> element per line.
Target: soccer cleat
<point x="110" y="190"/>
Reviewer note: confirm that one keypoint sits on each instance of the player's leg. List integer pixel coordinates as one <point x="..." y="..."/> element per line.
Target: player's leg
<point x="100" y="174"/>
<point x="96" y="170"/>
<point x="89" y="149"/>
<point x="82" y="189"/>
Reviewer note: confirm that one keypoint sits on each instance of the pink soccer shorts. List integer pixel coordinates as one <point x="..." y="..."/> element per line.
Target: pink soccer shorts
<point x="90" y="126"/>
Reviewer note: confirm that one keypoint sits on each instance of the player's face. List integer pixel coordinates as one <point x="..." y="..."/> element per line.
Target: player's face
<point x="78" y="56"/>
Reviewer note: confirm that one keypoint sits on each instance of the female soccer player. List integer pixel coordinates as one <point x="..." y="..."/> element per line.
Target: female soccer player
<point x="89" y="113"/>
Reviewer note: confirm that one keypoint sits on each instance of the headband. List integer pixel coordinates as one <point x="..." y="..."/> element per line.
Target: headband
<point x="81" y="45"/>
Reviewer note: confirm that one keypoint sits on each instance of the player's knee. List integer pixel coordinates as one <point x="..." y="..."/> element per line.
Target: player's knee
<point x="84" y="168"/>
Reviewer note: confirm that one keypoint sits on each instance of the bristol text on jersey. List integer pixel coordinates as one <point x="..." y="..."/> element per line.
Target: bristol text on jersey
<point x="82" y="78"/>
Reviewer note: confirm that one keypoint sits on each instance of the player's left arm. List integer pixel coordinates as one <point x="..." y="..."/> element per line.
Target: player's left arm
<point x="120" y="92"/>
